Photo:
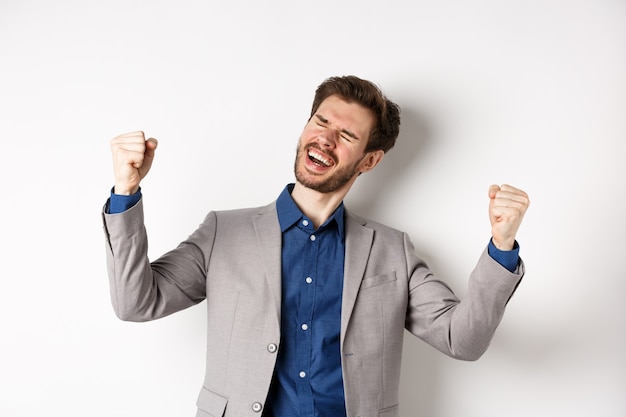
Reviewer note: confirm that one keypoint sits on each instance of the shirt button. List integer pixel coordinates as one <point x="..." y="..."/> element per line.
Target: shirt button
<point x="272" y="348"/>
<point x="309" y="280"/>
<point x="305" y="222"/>
<point x="302" y="374"/>
<point x="312" y="238"/>
<point x="257" y="407"/>
<point x="304" y="326"/>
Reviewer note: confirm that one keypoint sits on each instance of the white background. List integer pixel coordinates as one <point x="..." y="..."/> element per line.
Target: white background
<point x="531" y="93"/>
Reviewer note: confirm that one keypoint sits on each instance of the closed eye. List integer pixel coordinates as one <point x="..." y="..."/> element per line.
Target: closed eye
<point x="345" y="133"/>
<point x="349" y="136"/>
<point x="321" y="121"/>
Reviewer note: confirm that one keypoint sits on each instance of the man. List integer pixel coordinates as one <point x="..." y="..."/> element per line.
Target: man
<point x="307" y="302"/>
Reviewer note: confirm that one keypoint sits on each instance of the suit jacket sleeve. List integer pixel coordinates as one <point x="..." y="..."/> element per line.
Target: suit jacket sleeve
<point x="463" y="328"/>
<point x="141" y="290"/>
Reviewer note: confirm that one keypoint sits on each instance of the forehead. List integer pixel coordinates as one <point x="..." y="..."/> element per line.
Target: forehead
<point x="348" y="115"/>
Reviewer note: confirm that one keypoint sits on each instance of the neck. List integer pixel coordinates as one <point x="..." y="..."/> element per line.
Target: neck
<point x="315" y="205"/>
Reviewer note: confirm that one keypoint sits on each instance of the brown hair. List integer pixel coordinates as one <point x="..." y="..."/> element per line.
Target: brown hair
<point x="368" y="95"/>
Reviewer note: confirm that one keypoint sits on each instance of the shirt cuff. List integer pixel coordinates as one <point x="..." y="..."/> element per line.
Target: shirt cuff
<point x="120" y="203"/>
<point x="508" y="259"/>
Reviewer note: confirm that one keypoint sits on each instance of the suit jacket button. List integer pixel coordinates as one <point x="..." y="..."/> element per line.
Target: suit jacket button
<point x="257" y="407"/>
<point x="272" y="348"/>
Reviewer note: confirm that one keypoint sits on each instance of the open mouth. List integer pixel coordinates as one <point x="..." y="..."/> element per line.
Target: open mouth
<point x="319" y="159"/>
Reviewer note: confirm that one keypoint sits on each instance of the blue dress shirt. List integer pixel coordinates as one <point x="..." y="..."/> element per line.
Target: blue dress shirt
<point x="308" y="380"/>
<point x="119" y="203"/>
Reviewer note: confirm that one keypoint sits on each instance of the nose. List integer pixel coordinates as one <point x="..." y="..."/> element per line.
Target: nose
<point x="328" y="138"/>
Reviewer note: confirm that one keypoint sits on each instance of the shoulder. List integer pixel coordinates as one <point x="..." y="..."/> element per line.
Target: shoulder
<point x="354" y="219"/>
<point x="244" y="217"/>
<point x="246" y="212"/>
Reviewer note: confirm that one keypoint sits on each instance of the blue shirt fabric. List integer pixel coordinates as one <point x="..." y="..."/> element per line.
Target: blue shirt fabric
<point x="119" y="203"/>
<point x="308" y="380"/>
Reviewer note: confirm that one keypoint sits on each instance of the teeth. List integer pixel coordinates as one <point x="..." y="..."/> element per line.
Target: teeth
<point x="320" y="158"/>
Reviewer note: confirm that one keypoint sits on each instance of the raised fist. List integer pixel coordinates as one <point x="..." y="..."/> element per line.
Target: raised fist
<point x="132" y="159"/>
<point x="507" y="206"/>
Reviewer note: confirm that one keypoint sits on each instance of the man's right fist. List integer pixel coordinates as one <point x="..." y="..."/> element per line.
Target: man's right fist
<point x="132" y="159"/>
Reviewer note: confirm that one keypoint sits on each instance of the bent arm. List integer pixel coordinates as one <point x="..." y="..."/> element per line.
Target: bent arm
<point x="141" y="290"/>
<point x="462" y="329"/>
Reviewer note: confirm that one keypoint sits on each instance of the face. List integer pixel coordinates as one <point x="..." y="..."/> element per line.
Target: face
<point x="331" y="150"/>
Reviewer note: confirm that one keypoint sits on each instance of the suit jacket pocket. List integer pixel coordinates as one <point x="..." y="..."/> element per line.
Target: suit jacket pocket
<point x="389" y="411"/>
<point x="378" y="280"/>
<point x="210" y="404"/>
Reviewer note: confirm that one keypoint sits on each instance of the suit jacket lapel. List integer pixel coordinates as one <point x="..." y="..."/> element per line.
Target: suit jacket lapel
<point x="270" y="246"/>
<point x="358" y="245"/>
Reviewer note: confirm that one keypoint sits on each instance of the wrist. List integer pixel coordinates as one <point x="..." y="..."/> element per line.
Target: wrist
<point x="125" y="189"/>
<point x="503" y="245"/>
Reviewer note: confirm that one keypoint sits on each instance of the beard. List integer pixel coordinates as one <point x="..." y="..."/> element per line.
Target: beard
<point x="323" y="185"/>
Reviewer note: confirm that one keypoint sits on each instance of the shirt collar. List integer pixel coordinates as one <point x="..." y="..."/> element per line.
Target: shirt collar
<point x="289" y="213"/>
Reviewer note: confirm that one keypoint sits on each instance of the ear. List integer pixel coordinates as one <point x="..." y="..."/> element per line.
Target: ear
<point x="370" y="160"/>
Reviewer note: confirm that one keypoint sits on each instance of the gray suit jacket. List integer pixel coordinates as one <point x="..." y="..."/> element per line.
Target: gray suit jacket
<point x="233" y="260"/>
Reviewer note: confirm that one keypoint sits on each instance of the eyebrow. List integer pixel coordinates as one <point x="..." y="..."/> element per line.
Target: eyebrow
<point x="346" y="131"/>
